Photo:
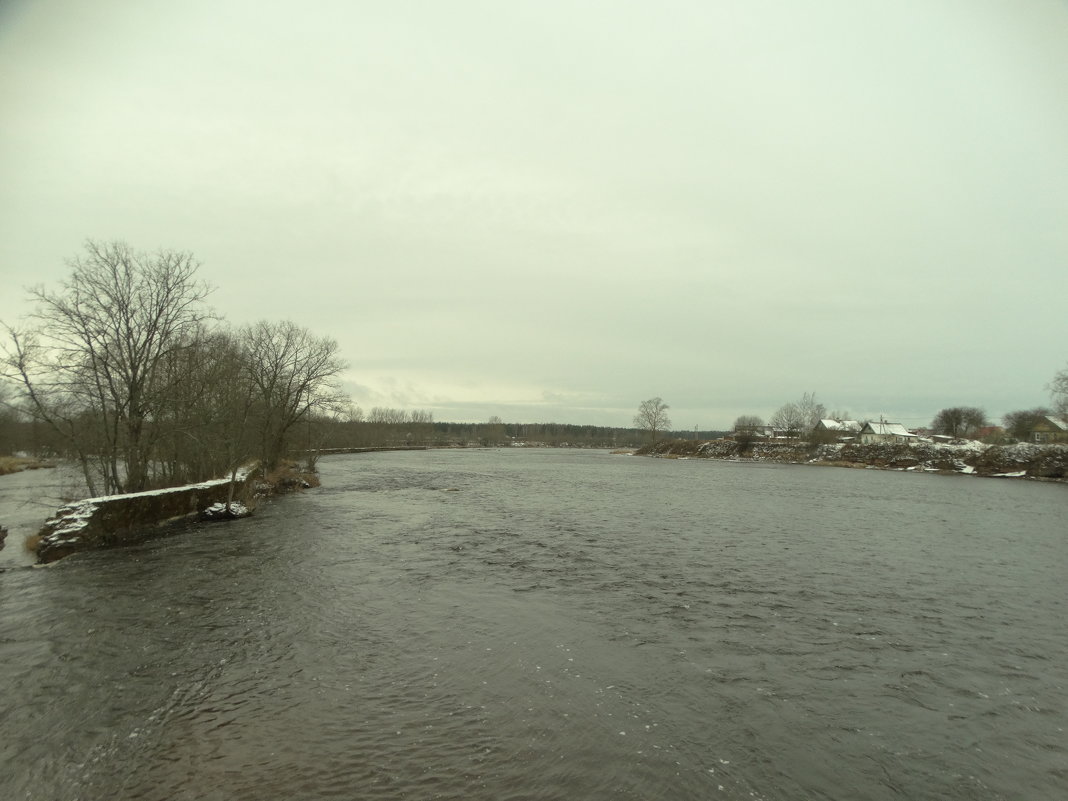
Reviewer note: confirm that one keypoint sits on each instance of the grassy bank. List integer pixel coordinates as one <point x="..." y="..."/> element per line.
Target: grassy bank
<point x="16" y="464"/>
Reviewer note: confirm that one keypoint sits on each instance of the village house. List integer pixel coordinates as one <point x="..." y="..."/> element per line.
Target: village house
<point x="991" y="434"/>
<point x="841" y="429"/>
<point x="872" y="433"/>
<point x="1049" y="429"/>
<point x="756" y="432"/>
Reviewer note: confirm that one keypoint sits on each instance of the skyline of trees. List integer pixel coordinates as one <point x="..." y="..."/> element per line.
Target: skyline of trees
<point x="135" y="377"/>
<point x="141" y="383"/>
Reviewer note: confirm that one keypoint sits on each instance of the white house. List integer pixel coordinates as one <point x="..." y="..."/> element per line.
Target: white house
<point x="885" y="432"/>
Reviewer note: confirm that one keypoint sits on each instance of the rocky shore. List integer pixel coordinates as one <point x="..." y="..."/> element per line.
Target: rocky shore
<point x="1022" y="460"/>
<point x="120" y="519"/>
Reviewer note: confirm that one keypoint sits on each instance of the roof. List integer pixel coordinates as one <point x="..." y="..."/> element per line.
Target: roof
<point x="1056" y="422"/>
<point x="839" y="425"/>
<point x="888" y="429"/>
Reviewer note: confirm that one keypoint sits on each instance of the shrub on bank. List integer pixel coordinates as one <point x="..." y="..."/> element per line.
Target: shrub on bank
<point x="16" y="464"/>
<point x="289" y="477"/>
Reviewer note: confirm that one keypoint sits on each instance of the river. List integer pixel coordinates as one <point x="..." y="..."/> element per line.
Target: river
<point x="557" y="624"/>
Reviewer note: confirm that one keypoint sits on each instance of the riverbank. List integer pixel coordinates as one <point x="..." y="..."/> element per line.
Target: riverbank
<point x="122" y="519"/>
<point x="1022" y="460"/>
<point x="133" y="517"/>
<point x="16" y="464"/>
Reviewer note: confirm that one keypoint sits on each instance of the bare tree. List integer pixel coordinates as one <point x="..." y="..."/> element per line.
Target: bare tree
<point x="1058" y="389"/>
<point x="421" y="426"/>
<point x="210" y="431"/>
<point x="811" y="411"/>
<point x="652" y="417"/>
<point x="384" y="415"/>
<point x="746" y="429"/>
<point x="748" y="422"/>
<point x="800" y="417"/>
<point x="9" y="417"/>
<point x="959" y="421"/>
<point x="294" y="373"/>
<point x="91" y="366"/>
<point x="789" y="419"/>
<point x="493" y="432"/>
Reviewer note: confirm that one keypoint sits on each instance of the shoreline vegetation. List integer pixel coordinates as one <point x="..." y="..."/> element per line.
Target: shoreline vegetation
<point x="128" y="518"/>
<point x="126" y="370"/>
<point x="1021" y="460"/>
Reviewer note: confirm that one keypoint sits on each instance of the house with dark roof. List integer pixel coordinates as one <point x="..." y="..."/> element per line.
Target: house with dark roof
<point x="1049" y="428"/>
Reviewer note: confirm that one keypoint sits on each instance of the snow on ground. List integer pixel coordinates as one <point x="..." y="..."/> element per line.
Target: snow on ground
<point x="218" y="511"/>
<point x="964" y="456"/>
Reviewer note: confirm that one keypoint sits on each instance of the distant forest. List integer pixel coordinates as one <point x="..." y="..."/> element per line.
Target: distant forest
<point x="327" y="433"/>
<point x="19" y="434"/>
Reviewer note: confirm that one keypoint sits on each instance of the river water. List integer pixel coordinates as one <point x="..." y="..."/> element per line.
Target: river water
<point x="557" y="624"/>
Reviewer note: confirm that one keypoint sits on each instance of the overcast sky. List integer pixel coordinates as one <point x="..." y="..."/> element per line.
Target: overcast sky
<point x="550" y="210"/>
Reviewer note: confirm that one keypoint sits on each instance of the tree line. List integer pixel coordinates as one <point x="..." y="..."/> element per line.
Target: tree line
<point x="372" y="430"/>
<point x="132" y="374"/>
<point x="399" y="427"/>
<point x="126" y="369"/>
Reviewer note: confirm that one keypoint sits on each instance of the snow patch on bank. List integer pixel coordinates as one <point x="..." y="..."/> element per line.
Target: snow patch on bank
<point x="220" y="511"/>
<point x="115" y="519"/>
<point x="967" y="457"/>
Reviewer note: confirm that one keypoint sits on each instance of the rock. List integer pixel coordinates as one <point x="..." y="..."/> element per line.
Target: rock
<point x="218" y="511"/>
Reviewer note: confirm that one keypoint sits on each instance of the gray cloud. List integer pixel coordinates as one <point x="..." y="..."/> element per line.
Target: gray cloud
<point x="551" y="211"/>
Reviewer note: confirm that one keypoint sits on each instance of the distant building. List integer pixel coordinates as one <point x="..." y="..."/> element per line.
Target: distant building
<point x="886" y="432"/>
<point x="1049" y="429"/>
<point x="752" y="432"/>
<point x="840" y="428"/>
<point x="991" y="434"/>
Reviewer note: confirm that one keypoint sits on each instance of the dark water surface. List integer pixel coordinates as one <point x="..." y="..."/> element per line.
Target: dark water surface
<point x="557" y="625"/>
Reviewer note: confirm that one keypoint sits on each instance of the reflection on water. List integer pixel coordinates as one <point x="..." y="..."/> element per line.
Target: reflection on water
<point x="557" y="624"/>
